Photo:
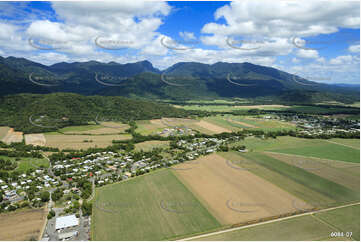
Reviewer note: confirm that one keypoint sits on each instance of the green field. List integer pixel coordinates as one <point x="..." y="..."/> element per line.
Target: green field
<point x="230" y="108"/>
<point x="330" y="189"/>
<point x="355" y="143"/>
<point x="305" y="147"/>
<point x="80" y="128"/>
<point x="156" y="206"/>
<point x="325" y="150"/>
<point x="25" y="163"/>
<point x="308" y="227"/>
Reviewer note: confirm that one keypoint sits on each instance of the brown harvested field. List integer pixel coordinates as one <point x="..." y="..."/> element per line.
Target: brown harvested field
<point x="241" y="123"/>
<point x="13" y="137"/>
<point x="78" y="141"/>
<point x="35" y="139"/>
<point x="212" y="127"/>
<point x="22" y="225"/>
<point x="336" y="171"/>
<point x="234" y="195"/>
<point x="3" y="132"/>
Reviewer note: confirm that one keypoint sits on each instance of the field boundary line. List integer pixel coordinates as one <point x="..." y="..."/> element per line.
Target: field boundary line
<point x="332" y="142"/>
<point x="312" y="157"/>
<point x="267" y="222"/>
<point x="45" y="222"/>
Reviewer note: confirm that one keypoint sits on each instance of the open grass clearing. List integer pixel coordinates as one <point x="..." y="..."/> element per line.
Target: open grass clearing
<point x="22" y="225"/>
<point x="156" y="206"/>
<point x="25" y="163"/>
<point x="234" y="195"/>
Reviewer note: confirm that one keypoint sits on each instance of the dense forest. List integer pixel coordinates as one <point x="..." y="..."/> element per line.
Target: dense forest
<point x="39" y="113"/>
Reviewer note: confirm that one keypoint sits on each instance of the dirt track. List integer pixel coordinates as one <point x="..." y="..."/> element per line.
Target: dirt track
<point x="234" y="195"/>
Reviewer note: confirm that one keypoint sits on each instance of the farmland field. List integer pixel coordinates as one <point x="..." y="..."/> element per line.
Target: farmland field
<point x="308" y="227"/>
<point x="156" y="206"/>
<point x="234" y="195"/>
<point x="149" y="145"/>
<point x="325" y="150"/>
<point x="336" y="171"/>
<point x="355" y="143"/>
<point x="22" y="225"/>
<point x="305" y="147"/>
<point x="3" y="132"/>
<point x="96" y="129"/>
<point x="337" y="193"/>
<point x="147" y="127"/>
<point x="35" y="139"/>
<point x="81" y="141"/>
<point x="228" y="108"/>
<point x="13" y="136"/>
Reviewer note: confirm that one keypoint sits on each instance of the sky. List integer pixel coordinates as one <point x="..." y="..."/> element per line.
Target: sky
<point x="317" y="40"/>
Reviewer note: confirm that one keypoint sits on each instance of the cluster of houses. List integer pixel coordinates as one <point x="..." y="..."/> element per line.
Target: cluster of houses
<point x="323" y="125"/>
<point x="14" y="191"/>
<point x="176" y="131"/>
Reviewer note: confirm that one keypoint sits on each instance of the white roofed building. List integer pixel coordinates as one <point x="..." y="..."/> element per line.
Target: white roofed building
<point x="66" y="222"/>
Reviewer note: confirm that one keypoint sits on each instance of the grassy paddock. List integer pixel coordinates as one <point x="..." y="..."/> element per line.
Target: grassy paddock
<point x="156" y="206"/>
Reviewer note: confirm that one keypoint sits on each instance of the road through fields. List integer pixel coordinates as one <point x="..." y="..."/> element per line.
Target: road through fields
<point x="266" y="222"/>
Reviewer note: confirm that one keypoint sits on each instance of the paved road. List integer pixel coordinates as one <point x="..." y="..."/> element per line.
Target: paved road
<point x="266" y="222"/>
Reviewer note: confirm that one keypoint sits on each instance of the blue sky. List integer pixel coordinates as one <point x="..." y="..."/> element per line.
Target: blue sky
<point x="305" y="38"/>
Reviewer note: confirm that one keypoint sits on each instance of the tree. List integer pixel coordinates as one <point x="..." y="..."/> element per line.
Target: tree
<point x="86" y="207"/>
<point x="45" y="196"/>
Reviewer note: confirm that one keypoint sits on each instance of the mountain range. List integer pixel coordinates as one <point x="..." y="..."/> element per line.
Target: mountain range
<point x="181" y="81"/>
